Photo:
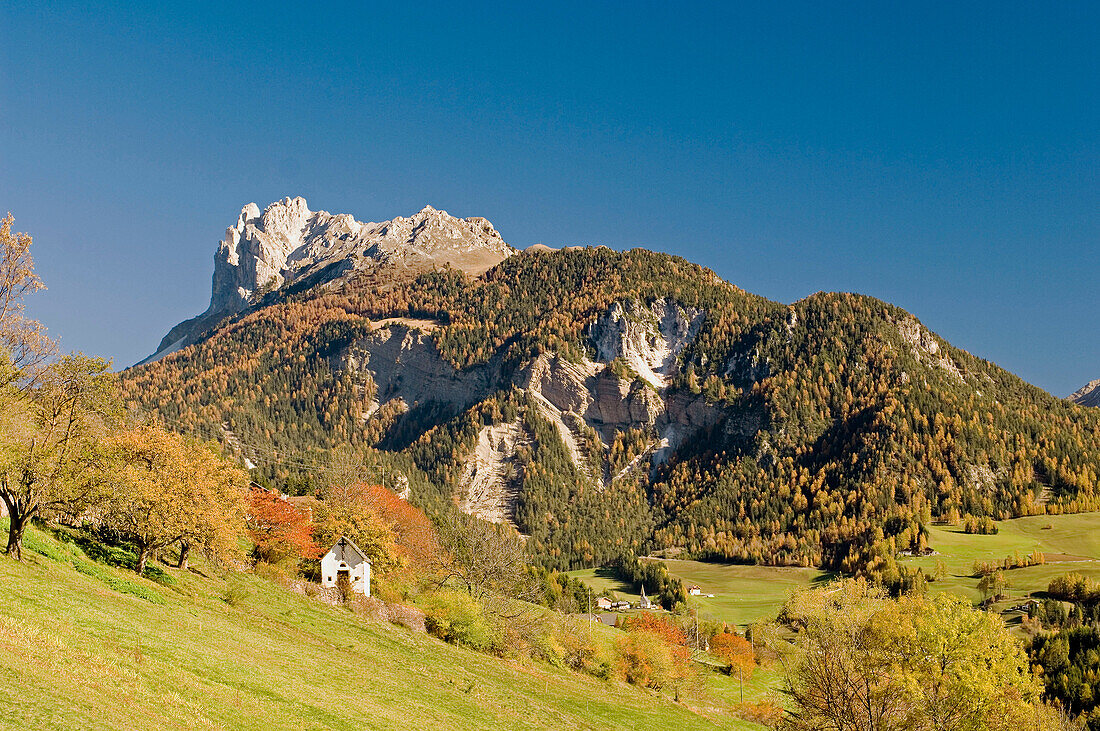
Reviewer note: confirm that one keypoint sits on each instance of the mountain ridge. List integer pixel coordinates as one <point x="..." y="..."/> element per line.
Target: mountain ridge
<point x="608" y="401"/>
<point x="289" y="243"/>
<point x="1087" y="395"/>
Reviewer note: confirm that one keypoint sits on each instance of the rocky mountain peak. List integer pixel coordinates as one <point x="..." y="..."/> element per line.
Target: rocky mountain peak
<point x="288" y="242"/>
<point x="1087" y="395"/>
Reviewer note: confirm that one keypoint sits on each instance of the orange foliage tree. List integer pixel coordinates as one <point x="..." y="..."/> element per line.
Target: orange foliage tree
<point x="665" y="627"/>
<point x="654" y="653"/>
<point x="414" y="537"/>
<point x="279" y="530"/>
<point x="735" y="651"/>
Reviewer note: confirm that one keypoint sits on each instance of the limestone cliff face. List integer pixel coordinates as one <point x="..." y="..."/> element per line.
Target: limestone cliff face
<point x="403" y="363"/>
<point x="648" y="339"/>
<point x="399" y="363"/>
<point x="289" y="243"/>
<point x="1087" y="395"/>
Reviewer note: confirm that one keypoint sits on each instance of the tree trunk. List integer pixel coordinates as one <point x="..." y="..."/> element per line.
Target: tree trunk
<point x="143" y="558"/>
<point x="185" y="551"/>
<point x="17" y="526"/>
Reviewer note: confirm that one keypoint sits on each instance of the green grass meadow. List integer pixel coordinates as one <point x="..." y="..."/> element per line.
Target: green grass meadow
<point x="1071" y="543"/>
<point x="102" y="648"/>
<point x="747" y="594"/>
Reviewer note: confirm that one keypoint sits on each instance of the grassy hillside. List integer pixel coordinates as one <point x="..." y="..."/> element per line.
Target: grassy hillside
<point x="102" y="648"/>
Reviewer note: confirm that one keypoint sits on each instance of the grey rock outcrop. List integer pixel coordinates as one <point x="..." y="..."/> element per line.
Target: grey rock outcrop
<point x="649" y="339"/>
<point x="401" y="362"/>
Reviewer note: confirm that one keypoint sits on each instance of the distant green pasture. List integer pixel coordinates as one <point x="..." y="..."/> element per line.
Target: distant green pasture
<point x="746" y="594"/>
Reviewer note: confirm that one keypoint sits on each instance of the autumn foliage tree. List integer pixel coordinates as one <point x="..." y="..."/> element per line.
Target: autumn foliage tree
<point x="279" y="531"/>
<point x="654" y="653"/>
<point x="865" y="661"/>
<point x="52" y="441"/>
<point x="738" y="655"/>
<point x="168" y="488"/>
<point x="354" y="513"/>
<point x="23" y="339"/>
<point x="735" y="651"/>
<point x="414" y="539"/>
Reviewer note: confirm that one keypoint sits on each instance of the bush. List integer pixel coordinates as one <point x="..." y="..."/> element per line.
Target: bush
<point x="407" y="616"/>
<point x="457" y="618"/>
<point x="763" y="712"/>
<point x="277" y="573"/>
<point x="235" y="594"/>
<point x="581" y="651"/>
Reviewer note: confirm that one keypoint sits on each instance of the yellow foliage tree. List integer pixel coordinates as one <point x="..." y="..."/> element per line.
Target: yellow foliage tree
<point x="23" y="339"/>
<point x="865" y="661"/>
<point x="51" y="443"/>
<point x="169" y="489"/>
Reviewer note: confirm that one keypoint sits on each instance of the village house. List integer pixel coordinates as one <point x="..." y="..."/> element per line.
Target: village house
<point x="345" y="561"/>
<point x="694" y="590"/>
<point x="603" y="603"/>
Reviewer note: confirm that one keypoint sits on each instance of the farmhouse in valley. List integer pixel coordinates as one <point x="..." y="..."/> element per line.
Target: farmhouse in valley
<point x="345" y="561"/>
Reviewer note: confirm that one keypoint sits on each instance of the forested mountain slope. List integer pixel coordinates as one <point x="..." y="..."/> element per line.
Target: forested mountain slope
<point x="607" y="402"/>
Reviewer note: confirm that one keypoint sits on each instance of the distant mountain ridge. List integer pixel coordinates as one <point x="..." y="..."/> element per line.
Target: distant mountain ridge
<point x="606" y="402"/>
<point x="1087" y="395"/>
<point x="288" y="243"/>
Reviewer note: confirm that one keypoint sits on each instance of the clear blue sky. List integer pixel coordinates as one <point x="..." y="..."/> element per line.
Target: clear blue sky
<point x="942" y="156"/>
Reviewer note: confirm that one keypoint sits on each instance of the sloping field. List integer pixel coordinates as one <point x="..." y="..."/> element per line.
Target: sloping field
<point x="101" y="648"/>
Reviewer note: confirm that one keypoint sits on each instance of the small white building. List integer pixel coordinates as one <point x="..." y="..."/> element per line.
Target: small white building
<point x="603" y="603"/>
<point x="695" y="591"/>
<point x="346" y="558"/>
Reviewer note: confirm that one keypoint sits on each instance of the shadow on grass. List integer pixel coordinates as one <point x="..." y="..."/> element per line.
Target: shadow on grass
<point x="824" y="578"/>
<point x="119" y="554"/>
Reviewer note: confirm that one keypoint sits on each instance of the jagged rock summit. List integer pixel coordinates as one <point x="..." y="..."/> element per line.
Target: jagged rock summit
<point x="288" y="244"/>
<point x="1087" y="395"/>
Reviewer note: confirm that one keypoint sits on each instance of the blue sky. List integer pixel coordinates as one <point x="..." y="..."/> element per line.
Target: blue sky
<point x="941" y="156"/>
